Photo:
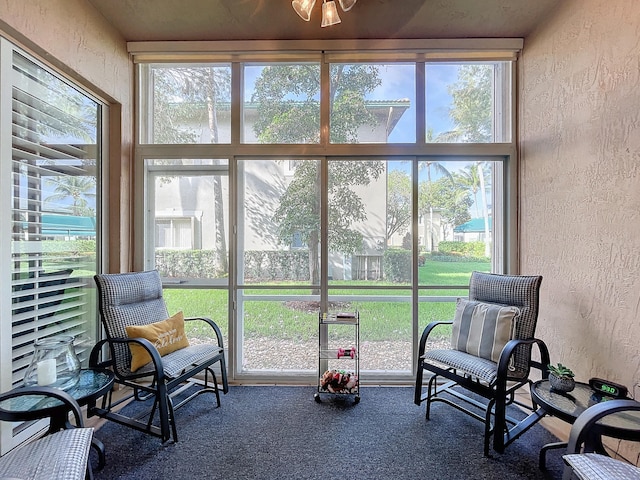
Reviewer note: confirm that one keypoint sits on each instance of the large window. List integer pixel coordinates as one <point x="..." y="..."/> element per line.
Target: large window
<point x="50" y="177"/>
<point x="374" y="181"/>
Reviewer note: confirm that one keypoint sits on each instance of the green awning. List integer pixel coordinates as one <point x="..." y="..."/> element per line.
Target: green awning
<point x="68" y="225"/>
<point x="472" y="226"/>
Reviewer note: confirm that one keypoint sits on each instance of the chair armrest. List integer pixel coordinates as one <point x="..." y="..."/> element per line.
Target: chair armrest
<point x="146" y="344"/>
<point x="68" y="403"/>
<point x="213" y="325"/>
<point x="509" y="349"/>
<point x="427" y="331"/>
<point x="580" y="431"/>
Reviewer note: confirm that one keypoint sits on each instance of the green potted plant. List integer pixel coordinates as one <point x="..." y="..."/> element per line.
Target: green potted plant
<point x="561" y="378"/>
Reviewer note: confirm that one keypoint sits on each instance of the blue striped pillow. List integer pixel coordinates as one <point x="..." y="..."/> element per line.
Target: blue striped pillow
<point x="483" y="329"/>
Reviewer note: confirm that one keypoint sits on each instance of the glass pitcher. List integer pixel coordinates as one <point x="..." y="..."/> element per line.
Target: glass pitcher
<point x="54" y="363"/>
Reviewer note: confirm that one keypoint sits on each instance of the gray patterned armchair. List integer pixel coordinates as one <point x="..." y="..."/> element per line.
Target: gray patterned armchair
<point x="586" y="458"/>
<point x="60" y="455"/>
<point x="135" y="316"/>
<point x="490" y="355"/>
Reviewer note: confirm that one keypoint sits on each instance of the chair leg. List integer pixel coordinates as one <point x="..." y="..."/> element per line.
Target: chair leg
<point x="88" y="474"/>
<point x="487" y="427"/>
<point x="432" y="391"/>
<point x="172" y="420"/>
<point x="500" y="422"/>
<point x="214" y="380"/>
<point x="417" y="395"/>
<point x="164" y="411"/>
<point x="225" y="382"/>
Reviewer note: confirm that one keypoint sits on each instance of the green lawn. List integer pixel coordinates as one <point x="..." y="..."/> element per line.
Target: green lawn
<point x="298" y="320"/>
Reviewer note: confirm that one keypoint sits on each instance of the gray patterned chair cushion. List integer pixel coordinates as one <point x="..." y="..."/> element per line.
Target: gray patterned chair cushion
<point x="593" y="466"/>
<point x="176" y="362"/>
<point x="61" y="456"/>
<point x="478" y="367"/>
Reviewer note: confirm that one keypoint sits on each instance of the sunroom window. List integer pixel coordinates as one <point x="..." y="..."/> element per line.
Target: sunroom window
<point x="361" y="178"/>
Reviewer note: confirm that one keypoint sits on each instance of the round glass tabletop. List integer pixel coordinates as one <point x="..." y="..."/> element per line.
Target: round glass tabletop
<point x="91" y="384"/>
<point x="568" y="406"/>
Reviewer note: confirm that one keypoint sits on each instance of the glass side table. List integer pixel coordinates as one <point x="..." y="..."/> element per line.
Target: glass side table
<point x="568" y="406"/>
<point x="92" y="384"/>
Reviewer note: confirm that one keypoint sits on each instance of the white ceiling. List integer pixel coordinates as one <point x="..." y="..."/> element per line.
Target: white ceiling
<point x="149" y="20"/>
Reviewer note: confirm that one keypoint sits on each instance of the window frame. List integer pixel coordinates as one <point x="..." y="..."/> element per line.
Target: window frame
<point x="401" y="51"/>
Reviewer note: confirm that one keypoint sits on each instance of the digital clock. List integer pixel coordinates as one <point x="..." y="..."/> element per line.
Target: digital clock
<point x="606" y="387"/>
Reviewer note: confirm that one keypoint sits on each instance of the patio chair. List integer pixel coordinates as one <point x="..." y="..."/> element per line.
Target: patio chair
<point x="586" y="458"/>
<point x="136" y="321"/>
<point x="60" y="454"/>
<point x="490" y="355"/>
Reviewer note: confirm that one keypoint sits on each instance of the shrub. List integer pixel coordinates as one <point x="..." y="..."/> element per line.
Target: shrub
<point x="397" y="265"/>
<point x="260" y="265"/>
<point x="465" y="249"/>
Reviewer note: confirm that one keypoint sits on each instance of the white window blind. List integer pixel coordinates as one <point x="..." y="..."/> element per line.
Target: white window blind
<point x="55" y="140"/>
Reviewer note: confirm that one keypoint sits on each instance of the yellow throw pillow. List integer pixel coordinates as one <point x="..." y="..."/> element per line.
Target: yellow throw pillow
<point x="167" y="336"/>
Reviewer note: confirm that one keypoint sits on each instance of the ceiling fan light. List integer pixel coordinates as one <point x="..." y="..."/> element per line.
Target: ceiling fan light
<point x="303" y="8"/>
<point x="329" y="14"/>
<point x="346" y="5"/>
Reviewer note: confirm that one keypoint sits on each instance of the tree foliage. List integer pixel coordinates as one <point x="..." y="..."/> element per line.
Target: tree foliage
<point x="449" y="198"/>
<point x="81" y="190"/>
<point x="180" y="97"/>
<point x="472" y="105"/>
<point x="287" y="99"/>
<point x="288" y="111"/>
<point x="398" y="202"/>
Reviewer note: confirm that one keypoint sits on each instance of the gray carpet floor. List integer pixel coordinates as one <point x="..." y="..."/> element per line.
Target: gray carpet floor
<point x="280" y="432"/>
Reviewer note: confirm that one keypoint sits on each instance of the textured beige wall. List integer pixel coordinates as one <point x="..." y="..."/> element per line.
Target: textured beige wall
<point x="73" y="37"/>
<point x="579" y="126"/>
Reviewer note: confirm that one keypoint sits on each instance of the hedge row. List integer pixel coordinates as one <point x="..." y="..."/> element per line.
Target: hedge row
<point x="465" y="249"/>
<point x="258" y="265"/>
<point x="294" y="265"/>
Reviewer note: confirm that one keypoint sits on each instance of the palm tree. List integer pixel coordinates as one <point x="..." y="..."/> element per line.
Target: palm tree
<point x="442" y="171"/>
<point x="194" y="86"/>
<point x="79" y="189"/>
<point x="474" y="179"/>
<point x="469" y="179"/>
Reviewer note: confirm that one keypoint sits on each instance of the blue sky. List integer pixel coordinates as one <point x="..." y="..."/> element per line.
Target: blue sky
<point x="398" y="81"/>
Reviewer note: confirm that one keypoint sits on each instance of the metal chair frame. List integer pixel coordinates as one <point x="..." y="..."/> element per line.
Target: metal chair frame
<point x="499" y="393"/>
<point x="152" y="380"/>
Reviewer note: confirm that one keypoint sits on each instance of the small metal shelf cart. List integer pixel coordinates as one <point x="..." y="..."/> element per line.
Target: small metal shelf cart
<point x="338" y="362"/>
